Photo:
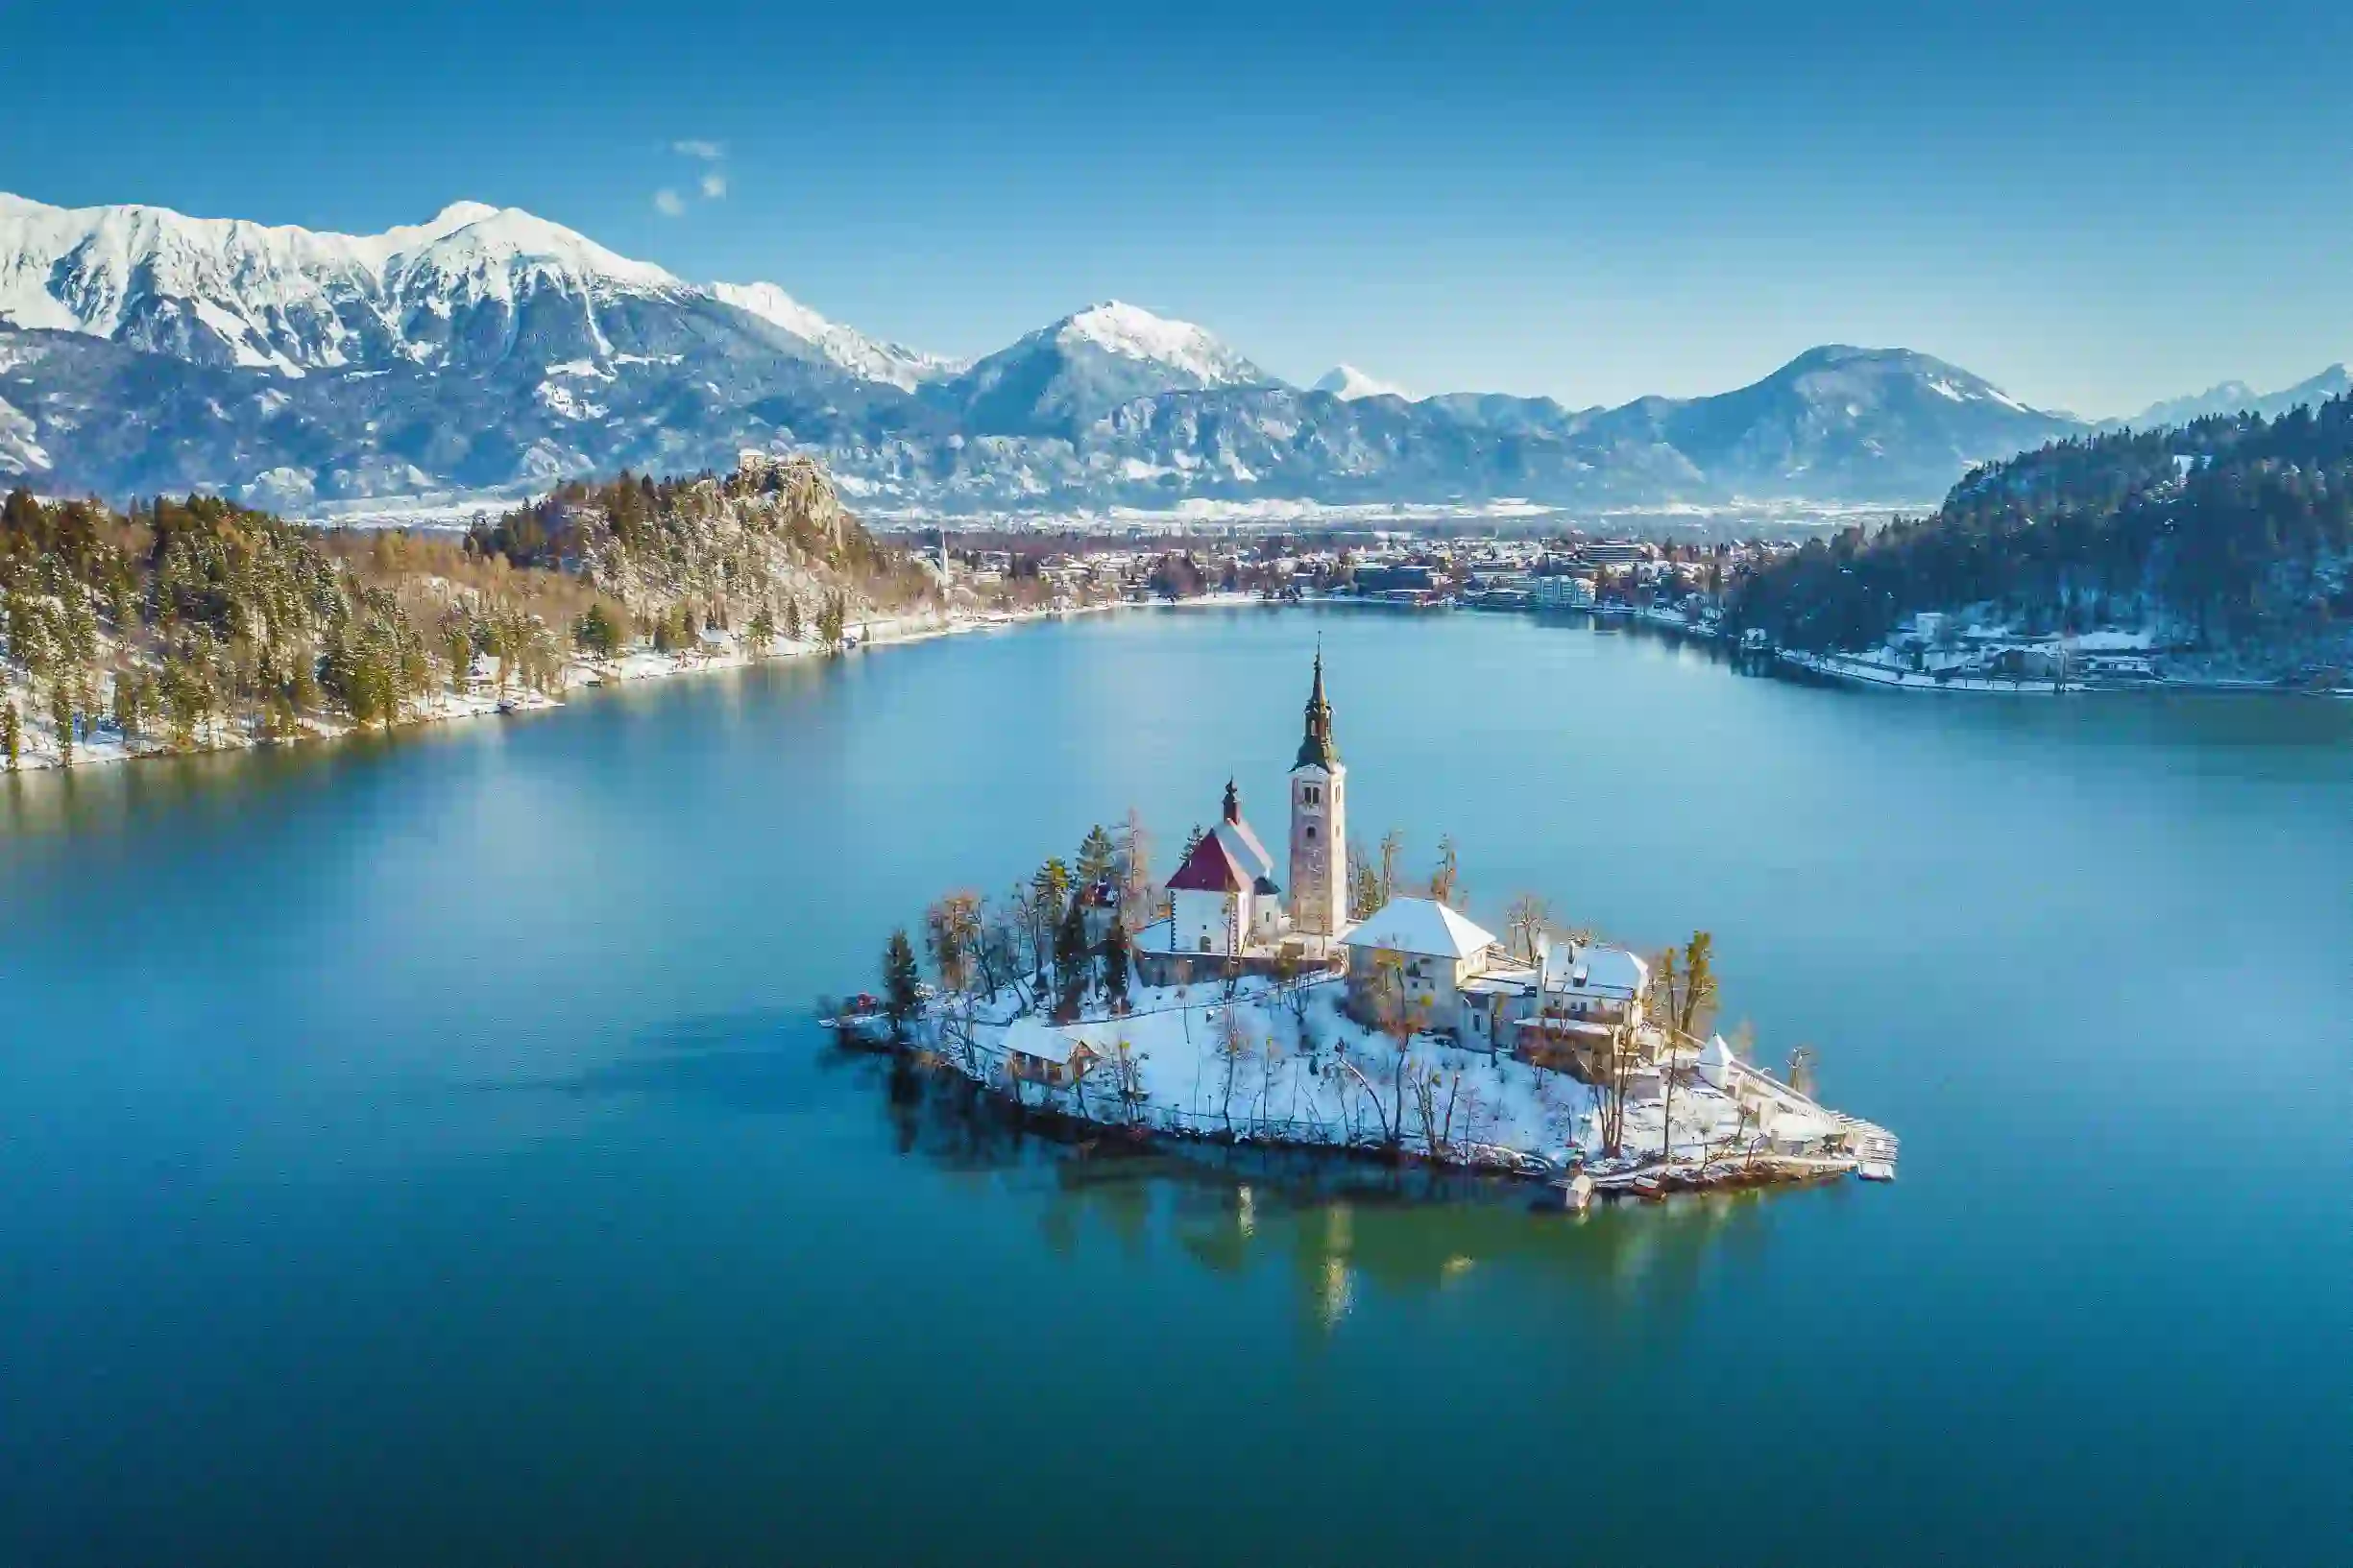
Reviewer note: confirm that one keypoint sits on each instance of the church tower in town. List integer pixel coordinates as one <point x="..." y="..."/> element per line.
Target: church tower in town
<point x="1319" y="824"/>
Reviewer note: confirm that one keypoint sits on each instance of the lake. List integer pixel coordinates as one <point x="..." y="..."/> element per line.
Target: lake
<point x="421" y="1151"/>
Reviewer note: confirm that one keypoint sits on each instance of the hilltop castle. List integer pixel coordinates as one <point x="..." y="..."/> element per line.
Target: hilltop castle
<point x="1227" y="912"/>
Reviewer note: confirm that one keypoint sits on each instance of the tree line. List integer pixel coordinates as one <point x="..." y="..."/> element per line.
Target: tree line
<point x="2233" y="528"/>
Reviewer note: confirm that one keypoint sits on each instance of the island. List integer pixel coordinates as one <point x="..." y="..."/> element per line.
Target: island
<point x="1342" y="1014"/>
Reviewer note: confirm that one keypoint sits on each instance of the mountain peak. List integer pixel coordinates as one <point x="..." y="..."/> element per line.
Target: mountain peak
<point x="1347" y="383"/>
<point x="1134" y="332"/>
<point x="458" y="214"/>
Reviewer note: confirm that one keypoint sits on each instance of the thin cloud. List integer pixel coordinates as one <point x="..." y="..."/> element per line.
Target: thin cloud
<point x="669" y="204"/>
<point x="710" y="152"/>
<point x="715" y="186"/>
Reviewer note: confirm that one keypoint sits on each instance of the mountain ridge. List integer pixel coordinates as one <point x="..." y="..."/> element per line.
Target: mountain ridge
<point x="490" y="351"/>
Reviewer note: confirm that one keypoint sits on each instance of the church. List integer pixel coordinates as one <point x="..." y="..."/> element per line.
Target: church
<point x="1228" y="913"/>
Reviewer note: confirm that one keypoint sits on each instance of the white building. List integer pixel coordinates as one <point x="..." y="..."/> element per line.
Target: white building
<point x="1418" y="954"/>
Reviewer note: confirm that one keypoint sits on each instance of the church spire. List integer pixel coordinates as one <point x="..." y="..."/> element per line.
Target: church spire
<point x="1233" y="802"/>
<point x="1316" y="748"/>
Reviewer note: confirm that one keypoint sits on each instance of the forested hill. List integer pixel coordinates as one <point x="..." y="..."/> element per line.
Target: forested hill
<point x="174" y="624"/>
<point x="2231" y="533"/>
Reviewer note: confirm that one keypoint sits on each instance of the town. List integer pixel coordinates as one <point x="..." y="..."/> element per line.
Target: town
<point x="1319" y="1003"/>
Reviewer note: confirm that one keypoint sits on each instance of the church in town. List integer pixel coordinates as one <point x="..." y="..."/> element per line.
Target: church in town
<point x="1229" y="911"/>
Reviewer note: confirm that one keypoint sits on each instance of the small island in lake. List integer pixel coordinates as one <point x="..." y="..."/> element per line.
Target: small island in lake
<point x="1342" y="1014"/>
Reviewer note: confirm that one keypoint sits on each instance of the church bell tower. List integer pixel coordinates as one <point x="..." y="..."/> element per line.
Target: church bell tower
<point x="1319" y="824"/>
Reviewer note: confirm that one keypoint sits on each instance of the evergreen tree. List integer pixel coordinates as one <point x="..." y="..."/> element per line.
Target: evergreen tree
<point x="1098" y="860"/>
<point x="1115" y="961"/>
<point x="61" y="714"/>
<point x="597" y="633"/>
<point x="762" y="631"/>
<point x="1070" y="954"/>
<point x="902" y="997"/>
<point x="130" y="704"/>
<point x="11" y="734"/>
<point x="792" y="620"/>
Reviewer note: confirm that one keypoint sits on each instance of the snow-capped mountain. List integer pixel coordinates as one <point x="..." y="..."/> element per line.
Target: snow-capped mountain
<point x="490" y="352"/>
<point x="2238" y="398"/>
<point x="1347" y="383"/>
<point x="476" y="286"/>
<point x="1064" y="376"/>
<point x="1842" y="421"/>
<point x="891" y="363"/>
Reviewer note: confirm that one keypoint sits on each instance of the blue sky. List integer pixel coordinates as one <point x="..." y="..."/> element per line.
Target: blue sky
<point x="2094" y="205"/>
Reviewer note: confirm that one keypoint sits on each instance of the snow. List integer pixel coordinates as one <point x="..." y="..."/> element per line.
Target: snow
<point x="1329" y="1080"/>
<point x="1349" y="383"/>
<point x="1133" y="332"/>
<point x="889" y="363"/>
<point x="18" y="450"/>
<point x="1419" y="926"/>
<point x="289" y="298"/>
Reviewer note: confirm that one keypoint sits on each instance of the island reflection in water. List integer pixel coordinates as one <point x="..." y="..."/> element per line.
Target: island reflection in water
<point x="1337" y="1226"/>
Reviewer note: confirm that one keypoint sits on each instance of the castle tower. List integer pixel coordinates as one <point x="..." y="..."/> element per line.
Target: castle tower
<point x="1319" y="824"/>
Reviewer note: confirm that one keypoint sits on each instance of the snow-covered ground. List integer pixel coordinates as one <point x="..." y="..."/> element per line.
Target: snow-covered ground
<point x="1275" y="1065"/>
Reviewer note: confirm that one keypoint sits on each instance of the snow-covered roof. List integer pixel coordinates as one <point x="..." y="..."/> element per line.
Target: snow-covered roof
<point x="1422" y="927"/>
<point x="1032" y="1036"/>
<point x="1609" y="971"/>
<point x="1248" y="852"/>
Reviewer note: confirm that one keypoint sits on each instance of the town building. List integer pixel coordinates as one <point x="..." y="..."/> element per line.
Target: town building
<point x="1412" y="959"/>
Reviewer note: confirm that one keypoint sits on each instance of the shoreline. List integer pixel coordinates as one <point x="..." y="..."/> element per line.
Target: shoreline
<point x="105" y="748"/>
<point x="1161" y="1078"/>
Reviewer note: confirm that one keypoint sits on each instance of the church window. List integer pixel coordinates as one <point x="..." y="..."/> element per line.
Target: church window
<point x="1311" y="831"/>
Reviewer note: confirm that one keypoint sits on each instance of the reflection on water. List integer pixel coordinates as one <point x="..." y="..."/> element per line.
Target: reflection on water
<point x="1335" y="1227"/>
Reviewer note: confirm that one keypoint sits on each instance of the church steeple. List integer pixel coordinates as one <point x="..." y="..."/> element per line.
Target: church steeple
<point x="1316" y="748"/>
<point x="1233" y="802"/>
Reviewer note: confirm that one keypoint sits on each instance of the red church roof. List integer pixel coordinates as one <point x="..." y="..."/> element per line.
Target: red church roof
<point x="1210" y="868"/>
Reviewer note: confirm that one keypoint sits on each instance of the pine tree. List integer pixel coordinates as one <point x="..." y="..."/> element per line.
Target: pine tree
<point x="1070" y="952"/>
<point x="11" y="734"/>
<point x="902" y="997"/>
<point x="61" y="714"/>
<point x="1115" y="960"/>
<point x="1097" y="858"/>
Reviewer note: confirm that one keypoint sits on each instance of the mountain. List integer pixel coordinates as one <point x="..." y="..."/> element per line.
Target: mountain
<point x="892" y="364"/>
<point x="1347" y="383"/>
<point x="1063" y="376"/>
<point x="1840" y="421"/>
<point x="489" y="351"/>
<point x="475" y="288"/>
<point x="2238" y="398"/>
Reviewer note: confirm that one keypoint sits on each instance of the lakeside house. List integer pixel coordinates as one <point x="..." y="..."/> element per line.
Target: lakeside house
<point x="1420" y="954"/>
<point x="1035" y="1051"/>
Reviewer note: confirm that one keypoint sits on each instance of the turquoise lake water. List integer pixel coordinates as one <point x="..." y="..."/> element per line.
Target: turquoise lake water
<point x="420" y="1152"/>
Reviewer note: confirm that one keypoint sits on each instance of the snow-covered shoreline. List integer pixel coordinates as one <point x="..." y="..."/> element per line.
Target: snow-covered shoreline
<point x="102" y="745"/>
<point x="1284" y="1065"/>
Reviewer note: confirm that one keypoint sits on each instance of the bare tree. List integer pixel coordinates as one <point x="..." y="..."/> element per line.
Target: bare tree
<point x="1527" y="918"/>
<point x="1397" y="1015"/>
<point x="1232" y="1044"/>
<point x="1446" y="881"/>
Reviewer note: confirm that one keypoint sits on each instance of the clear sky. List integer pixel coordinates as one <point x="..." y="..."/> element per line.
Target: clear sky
<point x="2094" y="205"/>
